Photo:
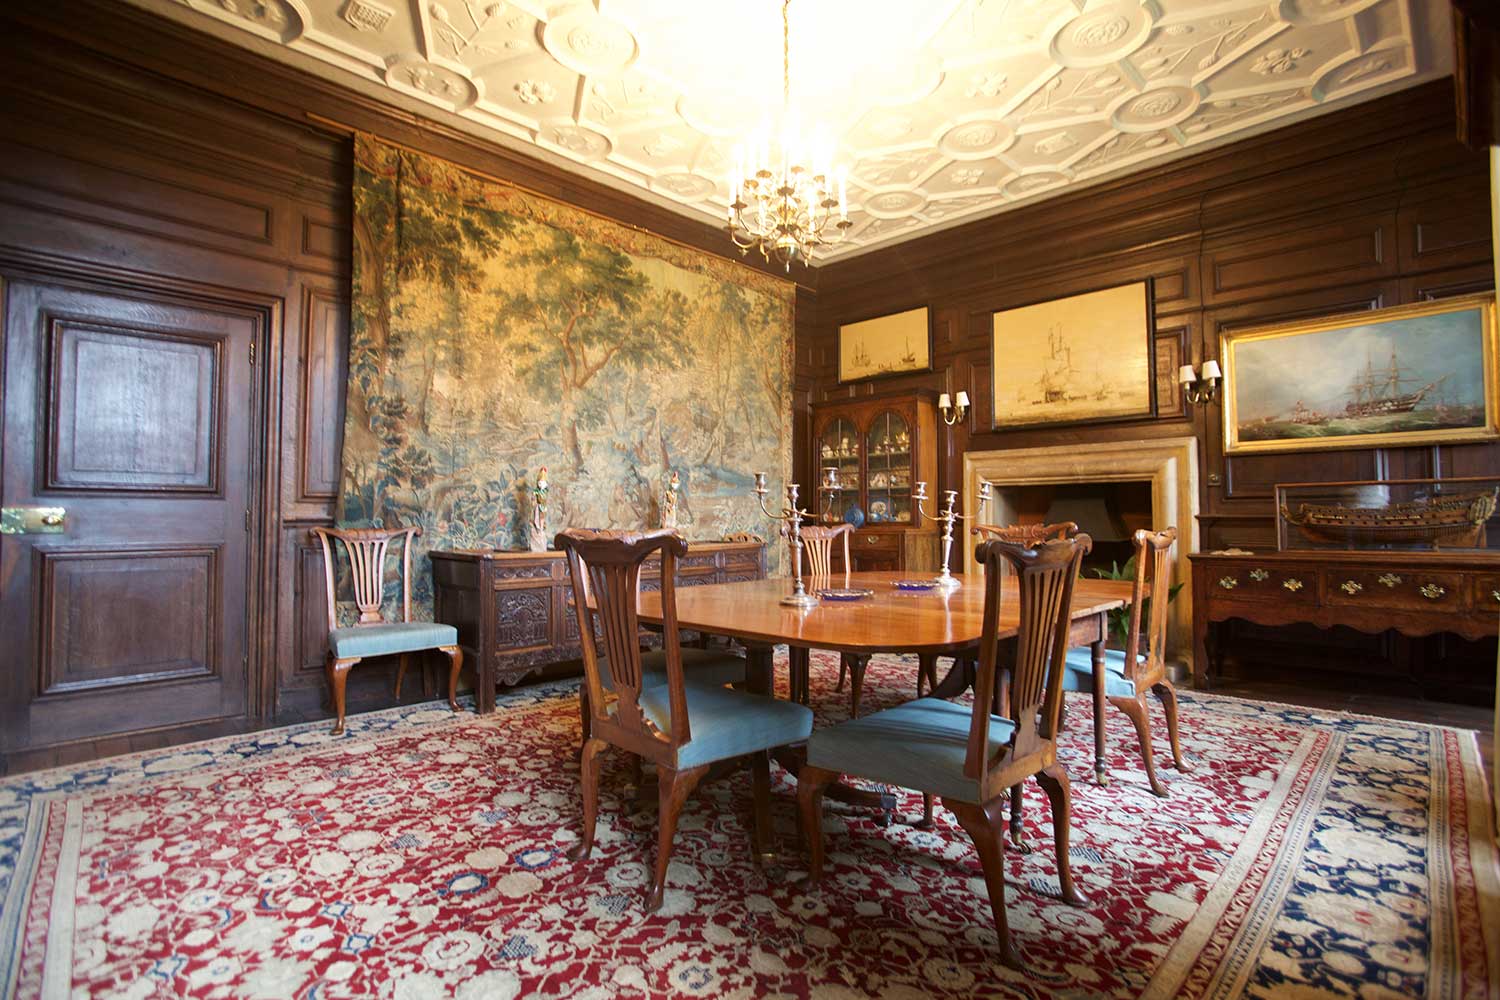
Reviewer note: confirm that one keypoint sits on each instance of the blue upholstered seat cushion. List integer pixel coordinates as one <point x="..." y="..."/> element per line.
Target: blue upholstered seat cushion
<point x="1079" y="673"/>
<point x="699" y="666"/>
<point x="919" y="745"/>
<point x="393" y="637"/>
<point x="727" y="723"/>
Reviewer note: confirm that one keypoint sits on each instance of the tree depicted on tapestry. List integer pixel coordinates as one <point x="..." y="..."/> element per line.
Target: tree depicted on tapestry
<point x="494" y="332"/>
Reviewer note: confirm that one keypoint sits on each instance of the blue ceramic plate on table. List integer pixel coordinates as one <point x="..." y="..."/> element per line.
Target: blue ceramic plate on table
<point x="915" y="585"/>
<point x="844" y="594"/>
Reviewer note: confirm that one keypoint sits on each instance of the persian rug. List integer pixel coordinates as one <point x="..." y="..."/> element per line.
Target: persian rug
<point x="423" y="855"/>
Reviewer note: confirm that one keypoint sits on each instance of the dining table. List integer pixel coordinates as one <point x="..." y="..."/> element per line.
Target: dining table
<point x="929" y="624"/>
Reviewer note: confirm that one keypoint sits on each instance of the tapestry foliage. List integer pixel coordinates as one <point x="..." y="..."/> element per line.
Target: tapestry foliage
<point x="495" y="332"/>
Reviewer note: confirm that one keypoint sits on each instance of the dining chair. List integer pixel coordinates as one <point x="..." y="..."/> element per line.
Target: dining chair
<point x="1025" y="534"/>
<point x="964" y="754"/>
<point x="371" y="634"/>
<point x="818" y="541"/>
<point x="1126" y="677"/>
<point x="682" y="728"/>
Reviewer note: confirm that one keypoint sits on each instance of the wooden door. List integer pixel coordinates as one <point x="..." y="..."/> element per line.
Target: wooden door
<point x="135" y="414"/>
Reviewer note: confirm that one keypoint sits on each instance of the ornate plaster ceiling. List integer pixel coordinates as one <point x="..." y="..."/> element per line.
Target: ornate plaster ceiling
<point x="944" y="110"/>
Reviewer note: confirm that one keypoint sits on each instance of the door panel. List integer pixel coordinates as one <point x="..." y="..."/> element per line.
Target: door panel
<point x="135" y="414"/>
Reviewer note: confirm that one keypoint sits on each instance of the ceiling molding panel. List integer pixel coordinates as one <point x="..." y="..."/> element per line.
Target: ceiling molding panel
<point x="943" y="111"/>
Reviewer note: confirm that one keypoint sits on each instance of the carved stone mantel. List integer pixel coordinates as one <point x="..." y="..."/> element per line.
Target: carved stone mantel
<point x="1170" y="465"/>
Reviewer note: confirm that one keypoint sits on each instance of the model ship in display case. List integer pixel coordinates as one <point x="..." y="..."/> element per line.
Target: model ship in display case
<point x="1386" y="514"/>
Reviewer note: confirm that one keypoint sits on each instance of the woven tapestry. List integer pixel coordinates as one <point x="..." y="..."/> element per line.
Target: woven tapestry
<point x="495" y="332"/>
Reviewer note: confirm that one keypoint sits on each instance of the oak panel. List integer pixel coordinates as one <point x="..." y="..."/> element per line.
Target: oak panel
<point x="133" y="408"/>
<point x="121" y="618"/>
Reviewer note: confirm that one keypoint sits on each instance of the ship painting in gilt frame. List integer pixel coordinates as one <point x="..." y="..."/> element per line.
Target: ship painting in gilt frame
<point x="1408" y="375"/>
<point x="1082" y="359"/>
<point x="886" y="345"/>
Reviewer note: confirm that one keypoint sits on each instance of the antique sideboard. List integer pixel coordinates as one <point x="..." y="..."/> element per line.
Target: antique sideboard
<point x="1414" y="593"/>
<point x="514" y="610"/>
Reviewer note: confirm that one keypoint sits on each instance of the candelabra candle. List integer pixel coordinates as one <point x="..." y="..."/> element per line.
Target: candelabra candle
<point x="949" y="517"/>
<point x="791" y="515"/>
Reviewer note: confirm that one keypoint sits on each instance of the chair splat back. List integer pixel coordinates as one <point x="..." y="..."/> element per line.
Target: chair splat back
<point x="366" y="549"/>
<point x="1153" y="564"/>
<point x="1026" y="534"/>
<point x="606" y="565"/>
<point x="1045" y="574"/>
<point x="818" y="541"/>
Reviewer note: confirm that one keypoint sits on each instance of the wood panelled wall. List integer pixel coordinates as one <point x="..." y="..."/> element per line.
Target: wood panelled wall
<point x="1372" y="206"/>
<point x="140" y="159"/>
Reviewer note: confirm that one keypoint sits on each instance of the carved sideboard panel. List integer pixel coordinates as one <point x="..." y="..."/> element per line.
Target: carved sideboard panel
<point x="514" y="610"/>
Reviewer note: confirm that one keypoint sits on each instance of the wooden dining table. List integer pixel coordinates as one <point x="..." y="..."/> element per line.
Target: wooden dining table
<point x="928" y="624"/>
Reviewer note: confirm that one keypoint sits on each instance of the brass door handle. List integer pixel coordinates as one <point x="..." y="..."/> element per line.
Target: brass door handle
<point x="32" y="520"/>
<point x="1350" y="587"/>
<point x="1292" y="585"/>
<point x="1228" y="582"/>
<point x="1431" y="591"/>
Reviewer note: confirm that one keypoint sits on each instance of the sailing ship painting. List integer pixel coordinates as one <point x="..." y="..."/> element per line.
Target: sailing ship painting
<point x="1407" y="375"/>
<point x="886" y="345"/>
<point x="1083" y="358"/>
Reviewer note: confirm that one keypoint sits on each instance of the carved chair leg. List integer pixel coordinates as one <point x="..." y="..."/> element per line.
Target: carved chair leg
<point x="925" y="823"/>
<point x="985" y="826"/>
<point x="338" y="676"/>
<point x="857" y="666"/>
<point x="811" y="781"/>
<point x="673" y="788"/>
<point x="455" y="665"/>
<point x="1136" y="710"/>
<point x="1017" y="827"/>
<point x="843" y="669"/>
<point x="1168" y="695"/>
<point x="401" y="665"/>
<point x="1054" y="780"/>
<point x="589" y="768"/>
<point x="760" y="783"/>
<point x="585" y="716"/>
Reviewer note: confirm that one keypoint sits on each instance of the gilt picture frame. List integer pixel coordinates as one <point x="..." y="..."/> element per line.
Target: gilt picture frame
<point x="894" y="344"/>
<point x="1083" y="359"/>
<point x="1420" y="374"/>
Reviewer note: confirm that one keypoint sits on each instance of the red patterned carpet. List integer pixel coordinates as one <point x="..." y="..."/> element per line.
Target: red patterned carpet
<point x="423" y="855"/>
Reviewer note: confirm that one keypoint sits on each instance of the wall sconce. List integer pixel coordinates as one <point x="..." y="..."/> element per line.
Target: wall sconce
<point x="1201" y="391"/>
<point x="950" y="411"/>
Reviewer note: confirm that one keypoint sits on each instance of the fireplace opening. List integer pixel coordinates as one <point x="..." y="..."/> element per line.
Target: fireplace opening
<point x="1110" y="512"/>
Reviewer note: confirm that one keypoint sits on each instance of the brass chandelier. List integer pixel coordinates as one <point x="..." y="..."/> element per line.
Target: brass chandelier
<point x="783" y="201"/>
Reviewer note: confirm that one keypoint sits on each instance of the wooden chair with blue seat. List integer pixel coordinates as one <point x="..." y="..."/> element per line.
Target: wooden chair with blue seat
<point x="964" y="754"/>
<point x="682" y="728"/>
<point x="818" y="540"/>
<point x="1126" y="678"/>
<point x="371" y="635"/>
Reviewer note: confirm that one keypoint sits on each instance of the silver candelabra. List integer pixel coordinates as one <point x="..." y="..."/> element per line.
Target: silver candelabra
<point x="791" y="515"/>
<point x="949" y="517"/>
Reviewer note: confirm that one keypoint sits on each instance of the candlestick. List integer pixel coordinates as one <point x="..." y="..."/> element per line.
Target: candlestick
<point x="792" y="515"/>
<point x="949" y="517"/>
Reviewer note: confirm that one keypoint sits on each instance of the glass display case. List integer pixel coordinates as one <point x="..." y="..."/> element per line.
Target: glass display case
<point x="1410" y="515"/>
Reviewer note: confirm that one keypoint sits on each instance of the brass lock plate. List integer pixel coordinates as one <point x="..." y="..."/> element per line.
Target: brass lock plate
<point x="33" y="520"/>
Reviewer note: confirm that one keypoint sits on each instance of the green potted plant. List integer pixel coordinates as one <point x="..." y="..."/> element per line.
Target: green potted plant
<point x="1119" y="618"/>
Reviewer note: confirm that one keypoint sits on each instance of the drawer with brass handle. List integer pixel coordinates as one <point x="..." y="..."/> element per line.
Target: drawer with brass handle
<point x="1383" y="589"/>
<point x="1431" y="591"/>
<point x="1292" y="583"/>
<point x="1228" y="582"/>
<point x="1351" y="587"/>
<point x="1259" y="575"/>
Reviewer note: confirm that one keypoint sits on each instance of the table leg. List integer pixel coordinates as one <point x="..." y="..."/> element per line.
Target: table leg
<point x="760" y="679"/>
<point x="799" y="668"/>
<point x="959" y="678"/>
<point x="1097" y="648"/>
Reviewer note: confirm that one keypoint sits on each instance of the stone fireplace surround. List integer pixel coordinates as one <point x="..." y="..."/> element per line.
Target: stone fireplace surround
<point x="1170" y="465"/>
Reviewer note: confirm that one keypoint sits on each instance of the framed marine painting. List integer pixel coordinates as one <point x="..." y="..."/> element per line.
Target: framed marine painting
<point x="1077" y="360"/>
<point x="886" y="345"/>
<point x="1421" y="374"/>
